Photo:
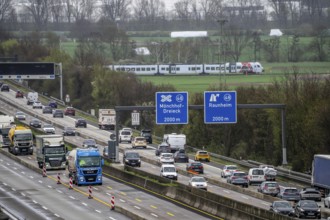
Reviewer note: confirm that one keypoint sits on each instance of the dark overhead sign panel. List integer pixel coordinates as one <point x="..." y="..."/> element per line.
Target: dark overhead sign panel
<point x="27" y="70"/>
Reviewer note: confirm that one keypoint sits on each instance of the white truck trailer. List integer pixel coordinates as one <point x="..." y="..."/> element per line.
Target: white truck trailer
<point x="6" y="122"/>
<point x="175" y="141"/>
<point x="107" y="119"/>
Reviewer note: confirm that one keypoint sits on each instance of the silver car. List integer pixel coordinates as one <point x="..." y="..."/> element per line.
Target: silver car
<point x="269" y="188"/>
<point x="289" y="194"/>
<point x="238" y="178"/>
<point x="327" y="201"/>
<point x="310" y="193"/>
<point x="198" y="182"/>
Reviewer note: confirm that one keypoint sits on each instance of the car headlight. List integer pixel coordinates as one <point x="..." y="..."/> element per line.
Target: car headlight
<point x="139" y="160"/>
<point x="301" y="209"/>
<point x="319" y="210"/>
<point x="126" y="160"/>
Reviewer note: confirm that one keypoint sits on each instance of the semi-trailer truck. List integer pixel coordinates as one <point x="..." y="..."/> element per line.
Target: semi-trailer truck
<point x="51" y="151"/>
<point x="321" y="173"/>
<point x="85" y="166"/>
<point x="21" y="140"/>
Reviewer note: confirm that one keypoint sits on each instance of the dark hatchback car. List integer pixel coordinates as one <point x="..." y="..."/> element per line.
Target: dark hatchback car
<point x="132" y="159"/>
<point x="52" y="104"/>
<point x="69" y="131"/>
<point x="163" y="148"/>
<point x="307" y="208"/>
<point x="146" y="133"/>
<point x="57" y="113"/>
<point x="70" y="111"/>
<point x="282" y="207"/>
<point x="36" y="123"/>
<point x="5" y="87"/>
<point x="80" y="122"/>
<point x="195" y="167"/>
<point x="181" y="157"/>
<point x="47" y="109"/>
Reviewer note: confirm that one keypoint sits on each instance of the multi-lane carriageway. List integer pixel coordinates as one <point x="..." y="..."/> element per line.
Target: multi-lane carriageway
<point x="211" y="171"/>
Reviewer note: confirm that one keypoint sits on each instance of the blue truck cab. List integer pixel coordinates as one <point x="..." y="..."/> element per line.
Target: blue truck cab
<point x="85" y="166"/>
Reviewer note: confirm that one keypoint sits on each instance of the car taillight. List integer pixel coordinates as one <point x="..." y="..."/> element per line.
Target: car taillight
<point x="246" y="177"/>
<point x="200" y="167"/>
<point x="234" y="177"/>
<point x="227" y="170"/>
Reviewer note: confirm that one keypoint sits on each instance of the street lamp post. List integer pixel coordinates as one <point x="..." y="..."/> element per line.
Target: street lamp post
<point x="221" y="22"/>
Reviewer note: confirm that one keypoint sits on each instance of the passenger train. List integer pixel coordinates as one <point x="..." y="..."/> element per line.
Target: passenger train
<point x="190" y="69"/>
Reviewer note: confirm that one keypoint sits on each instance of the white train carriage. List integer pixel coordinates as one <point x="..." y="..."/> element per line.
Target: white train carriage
<point x="181" y="69"/>
<point x="137" y="69"/>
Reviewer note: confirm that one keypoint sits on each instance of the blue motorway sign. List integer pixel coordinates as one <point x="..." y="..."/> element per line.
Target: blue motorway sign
<point x="220" y="107"/>
<point x="171" y="107"/>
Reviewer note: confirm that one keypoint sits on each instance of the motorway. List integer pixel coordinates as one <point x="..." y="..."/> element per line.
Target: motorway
<point x="211" y="171"/>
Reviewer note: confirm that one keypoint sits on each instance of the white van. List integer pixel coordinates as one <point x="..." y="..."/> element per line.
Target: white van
<point x="175" y="141"/>
<point x="169" y="171"/>
<point x="125" y="136"/>
<point x="256" y="175"/>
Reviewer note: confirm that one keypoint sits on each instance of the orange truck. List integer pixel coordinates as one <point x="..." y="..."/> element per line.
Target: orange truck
<point x="21" y="140"/>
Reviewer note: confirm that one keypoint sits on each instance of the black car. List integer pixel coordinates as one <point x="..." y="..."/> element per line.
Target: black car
<point x="69" y="131"/>
<point x="282" y="207"/>
<point x="146" y="133"/>
<point x="52" y="104"/>
<point x="5" y="87"/>
<point x="307" y="208"/>
<point x="57" y="113"/>
<point x="81" y="123"/>
<point x="36" y="123"/>
<point x="132" y="159"/>
<point x="195" y="167"/>
<point x="47" y="109"/>
<point x="163" y="148"/>
<point x="181" y="157"/>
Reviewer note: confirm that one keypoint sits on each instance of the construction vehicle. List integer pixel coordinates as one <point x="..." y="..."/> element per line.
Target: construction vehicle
<point x="107" y="119"/>
<point x="51" y="150"/>
<point x="85" y="166"/>
<point x="21" y="140"/>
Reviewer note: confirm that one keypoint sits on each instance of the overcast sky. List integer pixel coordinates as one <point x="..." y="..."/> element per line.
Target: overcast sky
<point x="169" y="4"/>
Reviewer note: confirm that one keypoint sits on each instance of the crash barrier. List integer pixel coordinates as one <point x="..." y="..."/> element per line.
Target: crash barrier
<point x="206" y="201"/>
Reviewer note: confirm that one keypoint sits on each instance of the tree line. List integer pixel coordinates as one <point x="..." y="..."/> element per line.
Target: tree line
<point x="153" y="15"/>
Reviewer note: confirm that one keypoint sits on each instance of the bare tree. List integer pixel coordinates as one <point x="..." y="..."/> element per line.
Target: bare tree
<point x="149" y="10"/>
<point x="235" y="41"/>
<point x="82" y="9"/>
<point x="280" y="12"/>
<point x="211" y="9"/>
<point x="114" y="9"/>
<point x="68" y="10"/>
<point x="5" y="9"/>
<point x="183" y="9"/>
<point x="56" y="10"/>
<point x="39" y="11"/>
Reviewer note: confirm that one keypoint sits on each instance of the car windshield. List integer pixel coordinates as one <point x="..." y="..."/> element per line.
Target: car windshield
<point x="48" y="126"/>
<point x="196" y="164"/>
<point x="309" y="204"/>
<point x="203" y="153"/>
<point x="69" y="129"/>
<point x="126" y="133"/>
<point x="231" y="168"/>
<point x="54" y="150"/>
<point x="291" y="191"/>
<point x="90" y="142"/>
<point x="140" y="139"/>
<point x="239" y="174"/>
<point x="282" y="204"/>
<point x="257" y="172"/>
<point x="35" y="121"/>
<point x="132" y="155"/>
<point x="198" y="179"/>
<point x="167" y="155"/>
<point x="23" y="137"/>
<point x="271" y="184"/>
<point x="19" y="113"/>
<point x="169" y="169"/>
<point x="89" y="161"/>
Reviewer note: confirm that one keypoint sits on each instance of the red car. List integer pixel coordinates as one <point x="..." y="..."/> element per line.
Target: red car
<point x="19" y="94"/>
<point x="70" y="111"/>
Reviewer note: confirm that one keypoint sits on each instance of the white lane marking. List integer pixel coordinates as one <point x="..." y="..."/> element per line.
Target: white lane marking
<point x="8" y="164"/>
<point x="40" y="181"/>
<point x="30" y="158"/>
<point x="95" y="188"/>
<point x="122" y="200"/>
<point x="22" y="172"/>
<point x="22" y="194"/>
<point x="31" y="177"/>
<point x="15" y="168"/>
<point x="57" y="215"/>
<point x="59" y="191"/>
<point x="244" y="197"/>
<point x="49" y="186"/>
<point x="137" y="207"/>
<point x="34" y="201"/>
<point x="154" y="215"/>
<point x="44" y="207"/>
<point x="265" y="203"/>
<point x="1" y="160"/>
<point x="72" y="197"/>
<point x="2" y="189"/>
<point x="112" y="218"/>
<point x="13" y="189"/>
<point x="98" y="211"/>
<point x="5" y="184"/>
<point x="84" y="204"/>
<point x="108" y="194"/>
<point x="226" y="191"/>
